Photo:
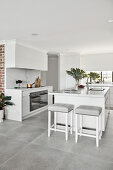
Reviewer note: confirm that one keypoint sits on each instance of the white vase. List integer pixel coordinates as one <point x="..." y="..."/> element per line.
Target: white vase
<point x="76" y="85"/>
<point x="1" y="115"/>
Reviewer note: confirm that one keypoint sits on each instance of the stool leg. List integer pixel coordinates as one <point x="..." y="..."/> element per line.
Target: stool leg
<point x="55" y="120"/>
<point x="97" y="131"/>
<point x="76" y="130"/>
<point x="80" y="125"/>
<point x="100" y="128"/>
<point x="66" y="131"/>
<point x="49" y="122"/>
<point x="71" y="122"/>
<point x="101" y="123"/>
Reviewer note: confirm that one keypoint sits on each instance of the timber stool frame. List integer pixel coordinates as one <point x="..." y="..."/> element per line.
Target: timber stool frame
<point x="94" y="111"/>
<point x="64" y="109"/>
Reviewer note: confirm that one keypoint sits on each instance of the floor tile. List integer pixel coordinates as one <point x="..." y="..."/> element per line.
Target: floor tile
<point x="34" y="157"/>
<point x="8" y="125"/>
<point x="56" y="141"/>
<point x="39" y="120"/>
<point x="80" y="162"/>
<point x="87" y="146"/>
<point x="25" y="133"/>
<point x="9" y="147"/>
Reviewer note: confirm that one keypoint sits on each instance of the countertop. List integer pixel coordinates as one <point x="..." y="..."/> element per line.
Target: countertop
<point x="101" y="84"/>
<point x="82" y="92"/>
<point x="30" y="89"/>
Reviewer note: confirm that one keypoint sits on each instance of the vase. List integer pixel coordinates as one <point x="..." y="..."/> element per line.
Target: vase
<point x="1" y="115"/>
<point x="77" y="84"/>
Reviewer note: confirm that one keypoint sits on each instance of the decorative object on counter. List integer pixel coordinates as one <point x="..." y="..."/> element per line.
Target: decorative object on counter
<point x="30" y="85"/>
<point x="38" y="82"/>
<point x="77" y="74"/>
<point x="19" y="83"/>
<point x="81" y="86"/>
<point x="94" y="76"/>
<point x="4" y="101"/>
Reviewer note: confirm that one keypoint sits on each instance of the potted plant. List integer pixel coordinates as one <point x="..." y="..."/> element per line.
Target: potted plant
<point x="77" y="74"/>
<point x="4" y="101"/>
<point x="94" y="75"/>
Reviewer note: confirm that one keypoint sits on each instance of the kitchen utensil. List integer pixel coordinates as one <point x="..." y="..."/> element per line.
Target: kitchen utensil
<point x="18" y="82"/>
<point x="30" y="85"/>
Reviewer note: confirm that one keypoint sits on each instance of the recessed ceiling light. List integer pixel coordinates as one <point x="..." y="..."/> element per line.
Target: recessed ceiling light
<point x="110" y="20"/>
<point x="35" y="34"/>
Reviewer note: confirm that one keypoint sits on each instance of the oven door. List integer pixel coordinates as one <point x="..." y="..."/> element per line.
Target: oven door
<point x="38" y="100"/>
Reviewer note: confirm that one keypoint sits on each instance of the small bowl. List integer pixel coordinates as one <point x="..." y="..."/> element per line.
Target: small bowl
<point x="81" y="86"/>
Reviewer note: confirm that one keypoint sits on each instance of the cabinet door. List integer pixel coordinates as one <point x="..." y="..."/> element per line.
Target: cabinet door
<point x="31" y="59"/>
<point x="26" y="105"/>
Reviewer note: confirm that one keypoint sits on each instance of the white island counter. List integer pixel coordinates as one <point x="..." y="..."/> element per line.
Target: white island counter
<point x="84" y="97"/>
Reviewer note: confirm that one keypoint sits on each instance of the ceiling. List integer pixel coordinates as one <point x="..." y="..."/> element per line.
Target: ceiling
<point x="63" y="25"/>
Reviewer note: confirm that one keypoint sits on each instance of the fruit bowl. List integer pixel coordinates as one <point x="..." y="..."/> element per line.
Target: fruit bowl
<point x="81" y="86"/>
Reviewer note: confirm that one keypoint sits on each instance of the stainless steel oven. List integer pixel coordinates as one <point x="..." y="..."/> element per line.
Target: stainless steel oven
<point x="38" y="100"/>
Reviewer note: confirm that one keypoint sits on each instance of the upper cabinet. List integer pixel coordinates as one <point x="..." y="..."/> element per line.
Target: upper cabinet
<point x="19" y="56"/>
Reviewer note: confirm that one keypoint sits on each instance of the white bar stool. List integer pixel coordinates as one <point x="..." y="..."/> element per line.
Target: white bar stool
<point x="62" y="108"/>
<point x="89" y="111"/>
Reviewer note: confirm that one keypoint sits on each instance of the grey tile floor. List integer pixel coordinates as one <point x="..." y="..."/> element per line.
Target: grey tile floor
<point x="25" y="146"/>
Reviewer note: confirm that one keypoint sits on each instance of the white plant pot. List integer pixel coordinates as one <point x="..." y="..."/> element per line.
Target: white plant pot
<point x="1" y="115"/>
<point x="76" y="86"/>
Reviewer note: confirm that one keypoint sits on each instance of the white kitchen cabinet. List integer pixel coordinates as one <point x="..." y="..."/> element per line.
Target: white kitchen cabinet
<point x="25" y="104"/>
<point x="19" y="56"/>
<point x="111" y="97"/>
<point x="111" y="91"/>
<point x="21" y="99"/>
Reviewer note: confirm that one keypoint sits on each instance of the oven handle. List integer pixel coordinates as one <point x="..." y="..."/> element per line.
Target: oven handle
<point x="43" y="94"/>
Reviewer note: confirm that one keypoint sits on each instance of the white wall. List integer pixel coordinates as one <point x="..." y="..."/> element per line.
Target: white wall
<point x="67" y="61"/>
<point x="43" y="78"/>
<point x="10" y="53"/>
<point x="27" y="76"/>
<point x="97" y="62"/>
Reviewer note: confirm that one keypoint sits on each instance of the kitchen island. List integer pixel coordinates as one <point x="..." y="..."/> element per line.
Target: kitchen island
<point x="99" y="97"/>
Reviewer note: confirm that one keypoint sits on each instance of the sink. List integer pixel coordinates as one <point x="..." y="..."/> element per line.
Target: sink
<point x="97" y="89"/>
<point x="72" y="91"/>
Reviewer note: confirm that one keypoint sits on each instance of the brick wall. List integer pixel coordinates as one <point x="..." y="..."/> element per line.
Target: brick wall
<point x="2" y="67"/>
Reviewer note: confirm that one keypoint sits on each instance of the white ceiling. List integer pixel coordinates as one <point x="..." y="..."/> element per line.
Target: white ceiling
<point x="63" y="25"/>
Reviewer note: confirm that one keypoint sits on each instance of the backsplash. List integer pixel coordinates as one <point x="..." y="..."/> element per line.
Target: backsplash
<point x="26" y="75"/>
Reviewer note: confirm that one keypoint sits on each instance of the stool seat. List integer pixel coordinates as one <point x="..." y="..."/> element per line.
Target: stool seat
<point x="88" y="110"/>
<point x="58" y="107"/>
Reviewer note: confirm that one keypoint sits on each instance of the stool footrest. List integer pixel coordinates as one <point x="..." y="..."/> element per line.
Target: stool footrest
<point x="88" y="135"/>
<point x="61" y="124"/>
<point x="59" y="130"/>
<point x="88" y="128"/>
<point x="85" y="134"/>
